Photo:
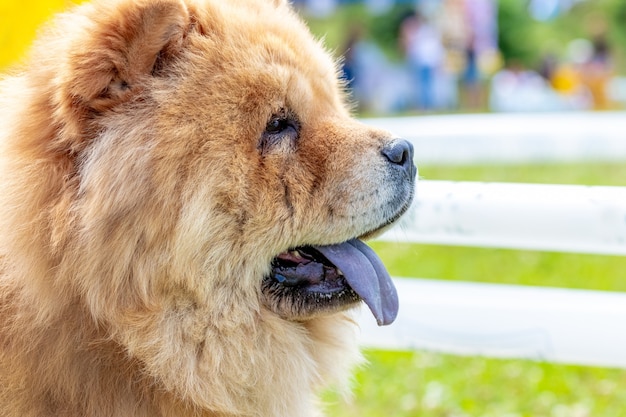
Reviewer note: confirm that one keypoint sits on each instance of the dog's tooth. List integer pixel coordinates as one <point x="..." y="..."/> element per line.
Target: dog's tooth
<point x="296" y="254"/>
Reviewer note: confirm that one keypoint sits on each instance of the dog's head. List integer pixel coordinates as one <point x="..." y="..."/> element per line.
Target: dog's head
<point x="218" y="133"/>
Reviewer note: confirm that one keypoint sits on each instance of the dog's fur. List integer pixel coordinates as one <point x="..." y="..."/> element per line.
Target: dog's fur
<point x="141" y="204"/>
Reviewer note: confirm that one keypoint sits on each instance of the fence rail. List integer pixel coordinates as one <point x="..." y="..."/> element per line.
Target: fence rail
<point x="552" y="324"/>
<point x="512" y="138"/>
<point x="506" y="321"/>
<point x="564" y="218"/>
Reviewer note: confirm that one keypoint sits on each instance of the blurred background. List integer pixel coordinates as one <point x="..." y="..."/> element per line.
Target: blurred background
<point x="477" y="55"/>
<point x="434" y="59"/>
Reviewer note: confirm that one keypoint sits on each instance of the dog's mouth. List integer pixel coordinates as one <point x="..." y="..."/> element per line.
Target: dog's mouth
<point x="309" y="280"/>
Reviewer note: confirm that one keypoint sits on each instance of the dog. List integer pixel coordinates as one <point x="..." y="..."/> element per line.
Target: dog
<point x="183" y="199"/>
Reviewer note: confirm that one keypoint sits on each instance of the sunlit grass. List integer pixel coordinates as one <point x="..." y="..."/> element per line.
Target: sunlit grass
<point x="589" y="173"/>
<point x="504" y="266"/>
<point x="425" y="384"/>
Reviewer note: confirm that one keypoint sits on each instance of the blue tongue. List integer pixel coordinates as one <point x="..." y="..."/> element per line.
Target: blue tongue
<point x="367" y="276"/>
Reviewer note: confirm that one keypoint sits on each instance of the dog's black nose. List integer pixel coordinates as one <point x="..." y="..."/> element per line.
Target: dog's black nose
<point x="400" y="152"/>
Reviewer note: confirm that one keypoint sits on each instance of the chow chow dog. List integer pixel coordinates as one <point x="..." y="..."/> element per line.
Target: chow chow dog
<point x="183" y="195"/>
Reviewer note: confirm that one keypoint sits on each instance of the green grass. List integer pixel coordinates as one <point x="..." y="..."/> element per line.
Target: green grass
<point x="572" y="173"/>
<point x="594" y="272"/>
<point x="426" y="384"/>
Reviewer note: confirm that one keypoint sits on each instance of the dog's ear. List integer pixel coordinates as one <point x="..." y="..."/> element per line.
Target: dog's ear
<point x="123" y="43"/>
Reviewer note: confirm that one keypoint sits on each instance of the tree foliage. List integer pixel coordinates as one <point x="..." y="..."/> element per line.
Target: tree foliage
<point x="527" y="40"/>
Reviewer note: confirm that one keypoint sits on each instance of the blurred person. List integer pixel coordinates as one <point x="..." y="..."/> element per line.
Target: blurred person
<point x="481" y="48"/>
<point x="548" y="66"/>
<point x="517" y="89"/>
<point x="566" y="79"/>
<point x="471" y="77"/>
<point x="376" y="85"/>
<point x="567" y="82"/>
<point x="349" y="64"/>
<point x="597" y="72"/>
<point x="423" y="48"/>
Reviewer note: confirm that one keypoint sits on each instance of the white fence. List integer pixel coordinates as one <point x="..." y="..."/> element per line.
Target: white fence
<point x="558" y="325"/>
<point x="565" y="218"/>
<point x="512" y="138"/>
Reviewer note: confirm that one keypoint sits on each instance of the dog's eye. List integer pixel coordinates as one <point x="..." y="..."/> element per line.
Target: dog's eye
<point x="277" y="125"/>
<point x="281" y="132"/>
<point x="281" y="124"/>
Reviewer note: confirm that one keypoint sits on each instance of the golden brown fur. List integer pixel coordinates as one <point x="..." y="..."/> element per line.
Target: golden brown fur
<point x="139" y="211"/>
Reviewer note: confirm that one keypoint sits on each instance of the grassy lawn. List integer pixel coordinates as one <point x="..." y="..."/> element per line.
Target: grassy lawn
<point x="584" y="174"/>
<point x="426" y="384"/>
<point x="594" y="272"/>
<point x="423" y="384"/>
